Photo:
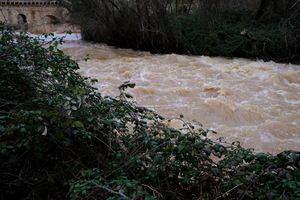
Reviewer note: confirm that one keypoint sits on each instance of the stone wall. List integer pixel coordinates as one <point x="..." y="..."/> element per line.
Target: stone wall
<point x="31" y="14"/>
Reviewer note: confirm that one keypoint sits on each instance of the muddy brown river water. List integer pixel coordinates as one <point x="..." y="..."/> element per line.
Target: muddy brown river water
<point x="254" y="102"/>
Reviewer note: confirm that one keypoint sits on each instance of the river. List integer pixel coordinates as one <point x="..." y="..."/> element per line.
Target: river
<point x="254" y="102"/>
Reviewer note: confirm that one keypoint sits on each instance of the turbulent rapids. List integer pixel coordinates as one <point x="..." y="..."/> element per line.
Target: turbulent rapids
<point x="254" y="102"/>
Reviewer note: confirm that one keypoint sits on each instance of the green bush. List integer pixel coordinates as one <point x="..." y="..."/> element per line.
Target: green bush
<point x="60" y="139"/>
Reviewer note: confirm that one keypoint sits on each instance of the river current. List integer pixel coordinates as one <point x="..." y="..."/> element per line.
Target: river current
<point x="254" y="102"/>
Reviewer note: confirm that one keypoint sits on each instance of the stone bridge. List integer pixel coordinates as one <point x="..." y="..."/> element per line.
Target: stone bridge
<point x="28" y="14"/>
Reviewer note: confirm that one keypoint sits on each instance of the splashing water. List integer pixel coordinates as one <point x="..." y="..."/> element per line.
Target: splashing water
<point x="254" y="102"/>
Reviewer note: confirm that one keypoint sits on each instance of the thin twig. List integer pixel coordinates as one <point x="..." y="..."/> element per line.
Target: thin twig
<point x="6" y="104"/>
<point x="155" y="191"/>
<point x="112" y="191"/>
<point x="295" y="4"/>
<point x="226" y="193"/>
<point x="108" y="146"/>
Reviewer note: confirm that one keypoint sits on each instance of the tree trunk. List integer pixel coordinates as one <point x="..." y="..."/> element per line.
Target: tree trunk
<point x="275" y="9"/>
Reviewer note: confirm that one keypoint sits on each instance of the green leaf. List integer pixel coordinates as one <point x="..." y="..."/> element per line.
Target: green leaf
<point x="118" y="155"/>
<point x="2" y="128"/>
<point x="150" y="197"/>
<point x="79" y="124"/>
<point x="4" y="117"/>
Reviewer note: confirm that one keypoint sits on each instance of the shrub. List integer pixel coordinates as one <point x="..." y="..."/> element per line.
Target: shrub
<point x="61" y="139"/>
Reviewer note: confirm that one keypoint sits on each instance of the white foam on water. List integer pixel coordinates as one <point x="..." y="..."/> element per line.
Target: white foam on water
<point x="254" y="102"/>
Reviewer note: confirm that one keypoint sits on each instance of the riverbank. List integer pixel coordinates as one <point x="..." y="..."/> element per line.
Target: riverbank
<point x="268" y="30"/>
<point x="266" y="118"/>
<point x="60" y="138"/>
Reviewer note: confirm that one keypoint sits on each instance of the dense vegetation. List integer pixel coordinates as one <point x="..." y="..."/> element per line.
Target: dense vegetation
<point x="60" y="139"/>
<point x="267" y="29"/>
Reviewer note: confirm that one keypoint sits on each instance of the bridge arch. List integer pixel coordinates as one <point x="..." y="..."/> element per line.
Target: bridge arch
<point x="51" y="19"/>
<point x="31" y="14"/>
<point x="22" y="19"/>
